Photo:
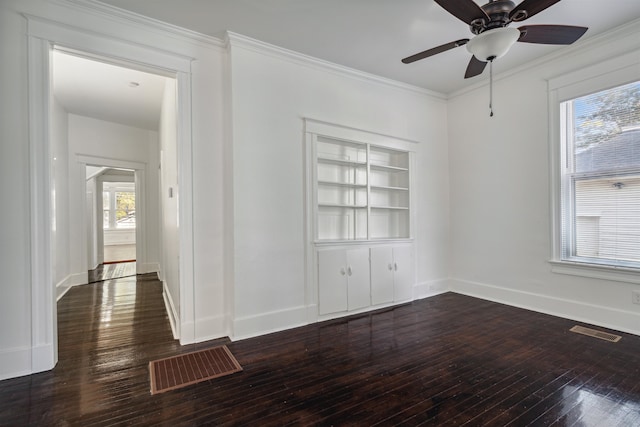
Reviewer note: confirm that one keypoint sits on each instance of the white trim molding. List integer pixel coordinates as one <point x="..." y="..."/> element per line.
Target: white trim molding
<point x="171" y="311"/>
<point x="233" y="40"/>
<point x="607" y="317"/>
<point x="102" y="37"/>
<point x="15" y="362"/>
<point x="430" y="288"/>
<point x="265" y="323"/>
<point x="62" y="287"/>
<point x="43" y="307"/>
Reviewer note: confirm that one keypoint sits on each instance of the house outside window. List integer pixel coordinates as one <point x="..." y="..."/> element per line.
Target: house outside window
<point x="600" y="177"/>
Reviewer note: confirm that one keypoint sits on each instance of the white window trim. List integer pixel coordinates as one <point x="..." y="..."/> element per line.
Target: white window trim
<point x="603" y="75"/>
<point x="112" y="188"/>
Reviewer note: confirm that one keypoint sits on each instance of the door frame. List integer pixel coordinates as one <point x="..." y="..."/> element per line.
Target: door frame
<point x="42" y="36"/>
<point x="139" y="171"/>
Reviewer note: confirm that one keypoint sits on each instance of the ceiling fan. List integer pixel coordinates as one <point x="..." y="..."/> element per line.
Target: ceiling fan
<point x="493" y="36"/>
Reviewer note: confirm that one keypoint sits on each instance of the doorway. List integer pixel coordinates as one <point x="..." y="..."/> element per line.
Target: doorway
<point x="45" y="189"/>
<point x="116" y="122"/>
<point x="111" y="219"/>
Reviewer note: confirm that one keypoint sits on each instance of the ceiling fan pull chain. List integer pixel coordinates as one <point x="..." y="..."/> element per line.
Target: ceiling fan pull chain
<point x="491" y="88"/>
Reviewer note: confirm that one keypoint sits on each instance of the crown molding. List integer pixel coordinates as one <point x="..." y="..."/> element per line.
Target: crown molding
<point x="237" y="40"/>
<point x="628" y="29"/>
<point x="122" y="16"/>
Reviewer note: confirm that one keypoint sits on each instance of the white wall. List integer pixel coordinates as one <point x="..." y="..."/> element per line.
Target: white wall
<point x="142" y="41"/>
<point x="169" y="202"/>
<point x="500" y="195"/>
<point x="97" y="138"/>
<point x="60" y="204"/>
<point x="272" y="91"/>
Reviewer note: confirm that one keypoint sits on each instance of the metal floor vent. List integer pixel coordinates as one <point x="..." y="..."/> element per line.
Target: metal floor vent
<point x="596" y="334"/>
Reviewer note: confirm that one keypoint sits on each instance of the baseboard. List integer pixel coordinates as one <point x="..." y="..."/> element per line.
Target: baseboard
<point x="252" y="326"/>
<point x="210" y="328"/>
<point x="430" y="288"/>
<point x="148" y="267"/>
<point x="43" y="358"/>
<point x="79" y="278"/>
<point x="187" y="333"/>
<point x="171" y="311"/>
<point x="62" y="287"/>
<point x="15" y="362"/>
<point x="606" y="317"/>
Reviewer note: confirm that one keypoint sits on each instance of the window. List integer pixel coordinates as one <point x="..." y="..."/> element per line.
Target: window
<point x="119" y="206"/>
<point x="600" y="177"/>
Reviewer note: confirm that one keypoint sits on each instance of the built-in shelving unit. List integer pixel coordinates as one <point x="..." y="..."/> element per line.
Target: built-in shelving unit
<point x="362" y="191"/>
<point x="358" y="225"/>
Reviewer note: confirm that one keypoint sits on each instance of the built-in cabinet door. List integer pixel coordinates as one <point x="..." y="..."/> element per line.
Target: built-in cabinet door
<point x="358" y="279"/>
<point x="382" y="275"/>
<point x="343" y="280"/>
<point x="391" y="274"/>
<point x="332" y="282"/>
<point x="403" y="273"/>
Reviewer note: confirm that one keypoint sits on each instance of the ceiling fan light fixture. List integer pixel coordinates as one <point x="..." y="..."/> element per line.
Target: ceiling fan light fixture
<point x="493" y="44"/>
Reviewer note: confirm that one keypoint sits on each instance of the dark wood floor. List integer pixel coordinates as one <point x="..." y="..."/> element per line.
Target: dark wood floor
<point x="447" y="360"/>
<point x="109" y="271"/>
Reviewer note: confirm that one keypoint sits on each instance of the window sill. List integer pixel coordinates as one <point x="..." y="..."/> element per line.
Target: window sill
<point x="596" y="271"/>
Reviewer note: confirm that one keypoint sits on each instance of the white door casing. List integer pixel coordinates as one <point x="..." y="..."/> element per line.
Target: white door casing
<point x="42" y="35"/>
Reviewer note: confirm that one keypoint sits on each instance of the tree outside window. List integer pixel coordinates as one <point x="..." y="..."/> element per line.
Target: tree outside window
<point x="119" y="205"/>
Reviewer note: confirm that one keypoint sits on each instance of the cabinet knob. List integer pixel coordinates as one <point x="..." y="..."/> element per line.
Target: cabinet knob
<point x="395" y="266"/>
<point x="390" y="267"/>
<point x="342" y="271"/>
<point x="349" y="272"/>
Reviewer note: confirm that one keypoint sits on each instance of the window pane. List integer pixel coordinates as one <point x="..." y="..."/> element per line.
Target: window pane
<point x="125" y="209"/>
<point x="601" y="206"/>
<point x="604" y="125"/>
<point x="608" y="218"/>
<point x="105" y="209"/>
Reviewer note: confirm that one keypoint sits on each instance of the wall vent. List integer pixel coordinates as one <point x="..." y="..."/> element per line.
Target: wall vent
<point x="596" y="334"/>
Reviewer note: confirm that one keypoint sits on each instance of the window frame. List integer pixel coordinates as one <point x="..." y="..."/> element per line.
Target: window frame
<point x="601" y="76"/>
<point x="112" y="188"/>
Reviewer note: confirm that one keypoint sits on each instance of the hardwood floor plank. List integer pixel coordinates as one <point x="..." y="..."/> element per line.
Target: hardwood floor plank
<point x="446" y="360"/>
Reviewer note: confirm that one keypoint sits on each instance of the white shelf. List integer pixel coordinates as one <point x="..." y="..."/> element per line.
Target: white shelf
<point x="341" y="162"/>
<point x="383" y="187"/>
<point x="340" y="205"/>
<point x="342" y="184"/>
<point x="388" y="168"/>
<point x="361" y="192"/>
<point x="399" y="208"/>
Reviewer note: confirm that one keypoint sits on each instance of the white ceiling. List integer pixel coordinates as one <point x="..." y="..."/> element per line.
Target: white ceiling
<point x="374" y="35"/>
<point x="103" y="91"/>
<point x="367" y="35"/>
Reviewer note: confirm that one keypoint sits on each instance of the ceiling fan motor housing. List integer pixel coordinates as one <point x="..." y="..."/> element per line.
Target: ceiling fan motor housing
<point x="498" y="13"/>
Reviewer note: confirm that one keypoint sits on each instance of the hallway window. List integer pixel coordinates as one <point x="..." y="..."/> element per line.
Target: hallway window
<point x="119" y="205"/>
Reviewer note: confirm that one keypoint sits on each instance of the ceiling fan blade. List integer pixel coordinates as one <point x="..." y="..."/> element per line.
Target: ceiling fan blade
<point x="465" y="10"/>
<point x="475" y="67"/>
<point x="528" y="8"/>
<point x="550" y="34"/>
<point x="433" y="51"/>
